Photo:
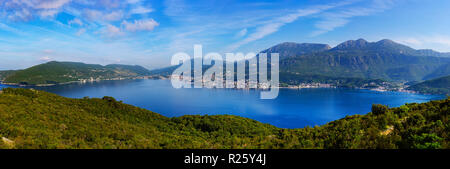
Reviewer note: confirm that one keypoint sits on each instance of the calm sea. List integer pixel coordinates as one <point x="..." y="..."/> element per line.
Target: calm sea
<point x="293" y="108"/>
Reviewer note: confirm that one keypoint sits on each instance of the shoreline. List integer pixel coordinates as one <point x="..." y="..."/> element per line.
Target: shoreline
<point x="163" y="78"/>
<point x="79" y="81"/>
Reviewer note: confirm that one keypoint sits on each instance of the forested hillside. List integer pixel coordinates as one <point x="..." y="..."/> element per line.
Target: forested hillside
<point x="435" y="86"/>
<point x="37" y="119"/>
<point x="6" y="73"/>
<point x="384" y="59"/>
<point x="62" y="72"/>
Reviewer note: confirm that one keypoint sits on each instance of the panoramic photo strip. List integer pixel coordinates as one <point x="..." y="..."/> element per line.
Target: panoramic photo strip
<point x="224" y="83"/>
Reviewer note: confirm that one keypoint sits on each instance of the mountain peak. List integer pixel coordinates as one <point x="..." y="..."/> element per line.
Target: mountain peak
<point x="385" y="41"/>
<point x="360" y="43"/>
<point x="292" y="49"/>
<point x="361" y="40"/>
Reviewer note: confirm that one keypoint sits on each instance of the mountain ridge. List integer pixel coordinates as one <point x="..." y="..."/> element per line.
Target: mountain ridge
<point x="439" y="85"/>
<point x="384" y="59"/>
<point x="55" y="72"/>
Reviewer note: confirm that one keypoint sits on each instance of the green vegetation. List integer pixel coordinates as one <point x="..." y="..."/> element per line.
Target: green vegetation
<point x="63" y="72"/>
<point x="295" y="79"/>
<point x="384" y="59"/>
<point x="434" y="86"/>
<point x="37" y="119"/>
<point x="6" y="73"/>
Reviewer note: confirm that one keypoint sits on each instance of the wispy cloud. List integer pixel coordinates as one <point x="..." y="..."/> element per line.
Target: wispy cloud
<point x="174" y="7"/>
<point x="112" y="31"/>
<point x="24" y="10"/>
<point x="242" y="33"/>
<point x="48" y="13"/>
<point x="76" y="21"/>
<point x="89" y="16"/>
<point x="141" y="10"/>
<point x="434" y="41"/>
<point x="140" y="25"/>
<point x="48" y="4"/>
<point x="45" y="58"/>
<point x="10" y="29"/>
<point x="100" y="16"/>
<point x="332" y="20"/>
<point x="275" y="24"/>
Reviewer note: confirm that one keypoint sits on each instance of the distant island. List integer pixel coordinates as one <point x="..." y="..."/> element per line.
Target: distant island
<point x="33" y="119"/>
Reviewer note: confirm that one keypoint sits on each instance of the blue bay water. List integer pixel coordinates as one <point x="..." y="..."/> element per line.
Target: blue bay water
<point x="292" y="108"/>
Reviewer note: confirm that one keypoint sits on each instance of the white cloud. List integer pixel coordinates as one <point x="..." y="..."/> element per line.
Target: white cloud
<point x="76" y="21"/>
<point x="141" y="10"/>
<point x="80" y="31"/>
<point x="48" y="13"/>
<point x="110" y="4"/>
<point x="329" y="24"/>
<point x="92" y="15"/>
<point x="36" y="4"/>
<point x="96" y="15"/>
<point x="113" y="16"/>
<point x="140" y="25"/>
<point x="49" y="4"/>
<point x="242" y="33"/>
<point x="24" y="10"/>
<point x="438" y="42"/>
<point x="45" y="58"/>
<point x="112" y="31"/>
<point x="20" y="15"/>
<point x="133" y="1"/>
<point x="410" y="41"/>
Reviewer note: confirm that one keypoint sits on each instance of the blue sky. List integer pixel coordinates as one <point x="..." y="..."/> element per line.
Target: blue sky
<point x="149" y="32"/>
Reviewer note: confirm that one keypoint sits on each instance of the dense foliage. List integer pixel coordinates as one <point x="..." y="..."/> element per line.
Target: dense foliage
<point x="6" y="73"/>
<point x="36" y="119"/>
<point x="62" y="72"/>
<point x="434" y="86"/>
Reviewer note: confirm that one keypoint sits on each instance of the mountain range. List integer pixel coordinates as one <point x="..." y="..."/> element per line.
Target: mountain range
<point x="384" y="59"/>
<point x="353" y="63"/>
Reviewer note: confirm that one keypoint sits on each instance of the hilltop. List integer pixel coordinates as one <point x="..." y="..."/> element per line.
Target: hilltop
<point x="63" y="72"/>
<point x="435" y="86"/>
<point x="37" y="119"/>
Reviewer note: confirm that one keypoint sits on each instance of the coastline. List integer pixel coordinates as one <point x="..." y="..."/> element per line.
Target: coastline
<point x="297" y="87"/>
<point x="80" y="81"/>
